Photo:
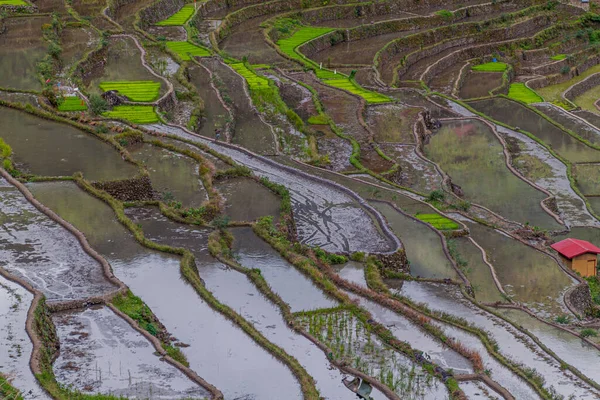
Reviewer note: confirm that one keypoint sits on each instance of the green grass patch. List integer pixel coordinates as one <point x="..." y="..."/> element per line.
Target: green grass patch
<point x="490" y="67"/>
<point x="134" y="114"/>
<point x="261" y="66"/>
<point x="352" y="87"/>
<point x="134" y="90"/>
<point x="558" y="57"/>
<point x="318" y="120"/>
<point x="180" y="17"/>
<point x="438" y="221"/>
<point x="186" y="50"/>
<point x="72" y="103"/>
<point x="255" y="82"/>
<point x="519" y="91"/>
<point x="13" y="3"/>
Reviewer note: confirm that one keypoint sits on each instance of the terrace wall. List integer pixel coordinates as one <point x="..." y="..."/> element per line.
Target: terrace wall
<point x="580" y="88"/>
<point x="159" y="10"/>
<point x="133" y="189"/>
<point x="548" y="80"/>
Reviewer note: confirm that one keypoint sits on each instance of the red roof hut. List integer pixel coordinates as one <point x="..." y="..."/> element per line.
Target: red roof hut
<point x="579" y="255"/>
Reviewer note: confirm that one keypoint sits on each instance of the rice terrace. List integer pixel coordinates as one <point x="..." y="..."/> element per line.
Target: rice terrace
<point x="299" y="199"/>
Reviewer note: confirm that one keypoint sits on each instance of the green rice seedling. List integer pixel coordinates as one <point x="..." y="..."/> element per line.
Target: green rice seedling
<point x="134" y="90"/>
<point x="134" y="114"/>
<point x="438" y="221"/>
<point x="558" y="57"/>
<point x="352" y="87"/>
<point x="519" y="91"/>
<point x="490" y="67"/>
<point x="180" y="17"/>
<point x="13" y="3"/>
<point x="72" y="103"/>
<point x="186" y="50"/>
<point x="255" y="82"/>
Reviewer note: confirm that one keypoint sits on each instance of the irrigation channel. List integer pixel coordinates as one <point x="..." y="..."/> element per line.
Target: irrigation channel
<point x="299" y="200"/>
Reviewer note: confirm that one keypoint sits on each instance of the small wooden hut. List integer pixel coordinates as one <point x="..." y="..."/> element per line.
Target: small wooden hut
<point x="579" y="255"/>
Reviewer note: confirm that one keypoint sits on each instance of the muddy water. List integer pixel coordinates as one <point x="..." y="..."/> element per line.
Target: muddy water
<point x="250" y="131"/>
<point x="511" y="343"/>
<point x="47" y="148"/>
<point x="174" y="175"/>
<point x="477" y="390"/>
<point x="248" y="200"/>
<point x="404" y="329"/>
<point x="479" y="84"/>
<point x="123" y="62"/>
<point x="101" y="353"/>
<point x="325" y="216"/>
<point x="21" y="48"/>
<point x="156" y="278"/>
<point x="215" y="115"/>
<point x="415" y="172"/>
<point x="422" y="244"/>
<point x="15" y="345"/>
<point x="477" y="271"/>
<point x="49" y="257"/>
<point x="528" y="275"/>
<point x="570" y="121"/>
<point x="294" y="288"/>
<point x="470" y="153"/>
<point x="516" y="115"/>
<point x="570" y="348"/>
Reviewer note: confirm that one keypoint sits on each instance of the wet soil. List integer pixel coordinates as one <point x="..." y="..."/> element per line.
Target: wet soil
<point x="478" y="84"/>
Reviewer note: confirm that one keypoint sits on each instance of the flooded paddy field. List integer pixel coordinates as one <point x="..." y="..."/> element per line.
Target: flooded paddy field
<point x="101" y="353"/>
<point x="379" y="199"/>
<point x="47" y="148"/>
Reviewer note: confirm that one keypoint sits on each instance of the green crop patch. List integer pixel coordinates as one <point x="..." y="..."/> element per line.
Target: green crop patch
<point x="519" y="91"/>
<point x="180" y="17"/>
<point x="438" y="221"/>
<point x="254" y="81"/>
<point x="13" y="3"/>
<point x="186" y="50"/>
<point x="134" y="114"/>
<point x="302" y="35"/>
<point x="350" y="86"/>
<point x="490" y="67"/>
<point x="134" y="90"/>
<point x="72" y="103"/>
<point x="558" y="57"/>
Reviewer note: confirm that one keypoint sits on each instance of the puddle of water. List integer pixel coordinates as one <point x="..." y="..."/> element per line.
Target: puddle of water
<point x="21" y="48"/>
<point x="353" y="272"/>
<point x="528" y="275"/>
<point x="469" y="152"/>
<point x="174" y="175"/>
<point x="516" y="115"/>
<point x="325" y="216"/>
<point x="349" y="340"/>
<point x="101" y="353"/>
<point x="404" y="329"/>
<point x="570" y="348"/>
<point x="215" y="115"/>
<point x="15" y="345"/>
<point x="250" y="131"/>
<point x="155" y="277"/>
<point x="49" y="257"/>
<point x="479" y="84"/>
<point x="44" y="147"/>
<point x="248" y="200"/>
<point x="511" y="343"/>
<point x="293" y="287"/>
<point x="423" y="246"/>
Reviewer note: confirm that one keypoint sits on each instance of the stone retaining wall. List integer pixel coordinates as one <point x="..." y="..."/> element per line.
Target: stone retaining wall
<point x="579" y="299"/>
<point x="12" y="9"/>
<point x="579" y="88"/>
<point x="133" y="189"/>
<point x="159" y="10"/>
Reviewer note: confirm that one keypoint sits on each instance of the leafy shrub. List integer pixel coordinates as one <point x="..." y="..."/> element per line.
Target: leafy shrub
<point x="436" y="195"/>
<point x="589" y="332"/>
<point x="98" y="104"/>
